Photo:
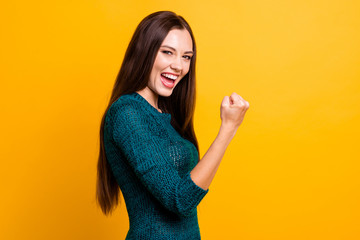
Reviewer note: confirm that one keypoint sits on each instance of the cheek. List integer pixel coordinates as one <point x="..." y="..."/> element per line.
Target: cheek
<point x="160" y="63"/>
<point x="187" y="68"/>
<point x="153" y="77"/>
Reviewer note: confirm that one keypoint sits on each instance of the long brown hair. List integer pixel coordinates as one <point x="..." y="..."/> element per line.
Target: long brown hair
<point x="133" y="76"/>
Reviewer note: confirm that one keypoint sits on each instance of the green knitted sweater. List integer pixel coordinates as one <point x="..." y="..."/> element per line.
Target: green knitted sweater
<point x="151" y="162"/>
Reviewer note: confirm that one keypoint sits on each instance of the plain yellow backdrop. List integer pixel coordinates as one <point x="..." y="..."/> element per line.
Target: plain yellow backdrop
<point x="292" y="171"/>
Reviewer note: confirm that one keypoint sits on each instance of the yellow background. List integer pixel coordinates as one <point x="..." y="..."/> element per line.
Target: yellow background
<point x="292" y="171"/>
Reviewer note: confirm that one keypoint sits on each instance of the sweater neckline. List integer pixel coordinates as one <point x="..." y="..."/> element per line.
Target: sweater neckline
<point x="150" y="107"/>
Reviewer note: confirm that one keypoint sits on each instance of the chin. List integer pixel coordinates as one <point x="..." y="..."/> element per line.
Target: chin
<point x="166" y="92"/>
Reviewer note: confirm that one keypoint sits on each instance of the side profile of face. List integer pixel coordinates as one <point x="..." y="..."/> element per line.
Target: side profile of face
<point x="172" y="62"/>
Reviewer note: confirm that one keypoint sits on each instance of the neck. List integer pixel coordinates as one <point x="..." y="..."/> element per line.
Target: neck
<point x="150" y="96"/>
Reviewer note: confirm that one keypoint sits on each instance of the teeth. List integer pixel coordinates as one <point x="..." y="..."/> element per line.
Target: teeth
<point x="173" y="77"/>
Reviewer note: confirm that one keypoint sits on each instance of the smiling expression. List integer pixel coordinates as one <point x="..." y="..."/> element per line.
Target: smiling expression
<point x="172" y="62"/>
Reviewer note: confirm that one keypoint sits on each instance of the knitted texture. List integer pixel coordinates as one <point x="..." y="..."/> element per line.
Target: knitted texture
<point x="151" y="162"/>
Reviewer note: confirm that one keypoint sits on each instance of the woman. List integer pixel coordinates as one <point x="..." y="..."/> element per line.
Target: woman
<point x="148" y="147"/>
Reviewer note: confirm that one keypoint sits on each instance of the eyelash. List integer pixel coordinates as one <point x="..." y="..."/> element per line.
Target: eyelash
<point x="166" y="52"/>
<point x="186" y="56"/>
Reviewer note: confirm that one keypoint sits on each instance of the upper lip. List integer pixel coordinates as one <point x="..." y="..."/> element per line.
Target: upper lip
<point x="171" y="73"/>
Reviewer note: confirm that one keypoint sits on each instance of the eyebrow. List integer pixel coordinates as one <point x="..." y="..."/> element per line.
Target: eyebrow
<point x="187" y="52"/>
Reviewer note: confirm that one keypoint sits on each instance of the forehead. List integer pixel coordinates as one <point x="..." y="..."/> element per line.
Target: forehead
<point x="179" y="39"/>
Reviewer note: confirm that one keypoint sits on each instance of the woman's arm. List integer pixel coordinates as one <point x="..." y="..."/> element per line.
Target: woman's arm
<point x="232" y="113"/>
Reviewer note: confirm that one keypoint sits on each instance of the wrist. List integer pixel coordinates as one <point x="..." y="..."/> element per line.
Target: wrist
<point x="229" y="128"/>
<point x="227" y="131"/>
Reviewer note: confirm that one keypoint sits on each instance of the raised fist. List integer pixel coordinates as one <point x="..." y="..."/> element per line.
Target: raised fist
<point x="233" y="110"/>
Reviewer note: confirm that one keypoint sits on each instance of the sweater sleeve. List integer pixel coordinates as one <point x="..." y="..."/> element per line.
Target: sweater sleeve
<point x="144" y="151"/>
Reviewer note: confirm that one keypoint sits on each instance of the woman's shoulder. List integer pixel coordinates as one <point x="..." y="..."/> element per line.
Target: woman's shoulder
<point x="126" y="101"/>
<point x="125" y="104"/>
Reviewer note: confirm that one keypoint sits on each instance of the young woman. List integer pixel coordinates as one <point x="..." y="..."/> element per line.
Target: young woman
<point x="148" y="147"/>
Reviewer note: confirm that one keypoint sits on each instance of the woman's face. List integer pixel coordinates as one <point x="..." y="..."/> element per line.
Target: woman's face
<point x="172" y="62"/>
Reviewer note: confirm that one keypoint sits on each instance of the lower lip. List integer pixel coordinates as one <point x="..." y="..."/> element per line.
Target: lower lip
<point x="167" y="83"/>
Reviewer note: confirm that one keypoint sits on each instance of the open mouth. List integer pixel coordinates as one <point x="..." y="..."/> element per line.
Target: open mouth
<point x="168" y="79"/>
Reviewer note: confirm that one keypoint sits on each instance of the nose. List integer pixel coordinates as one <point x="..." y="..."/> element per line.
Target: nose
<point x="176" y="65"/>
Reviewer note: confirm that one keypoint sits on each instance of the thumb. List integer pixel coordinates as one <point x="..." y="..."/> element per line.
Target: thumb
<point x="225" y="102"/>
